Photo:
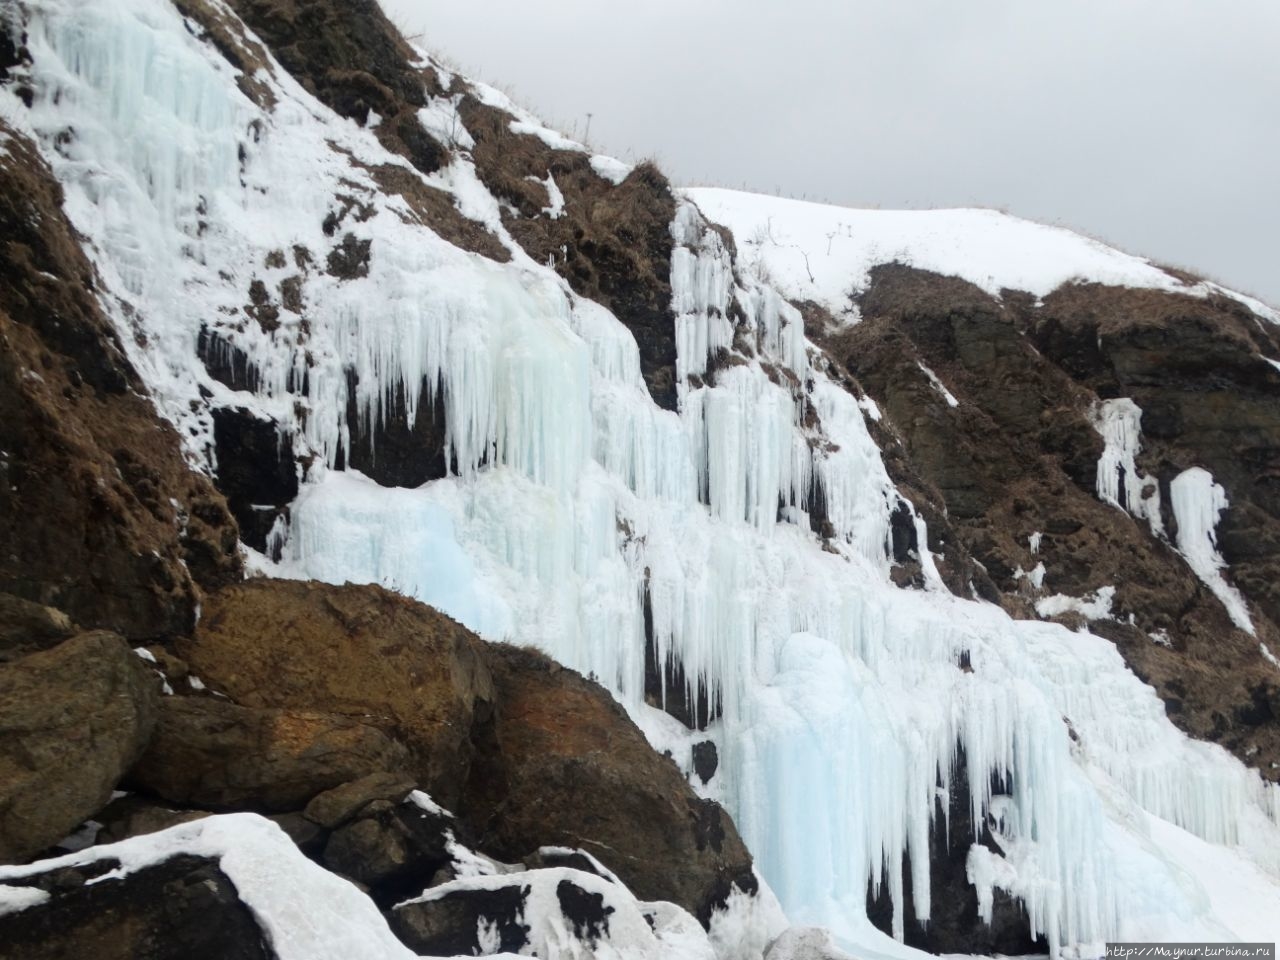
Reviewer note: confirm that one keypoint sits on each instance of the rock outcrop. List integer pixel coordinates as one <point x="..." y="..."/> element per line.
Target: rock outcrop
<point x="1009" y="476"/>
<point x="73" y="719"/>
<point x="100" y="514"/>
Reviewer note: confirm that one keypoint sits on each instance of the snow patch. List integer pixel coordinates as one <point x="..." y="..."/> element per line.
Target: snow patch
<point x="938" y="385"/>
<point x="1096" y="606"/>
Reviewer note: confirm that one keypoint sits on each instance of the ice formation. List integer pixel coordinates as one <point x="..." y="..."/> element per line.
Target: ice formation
<point x="1197" y="503"/>
<point x="1119" y="483"/>
<point x="575" y="505"/>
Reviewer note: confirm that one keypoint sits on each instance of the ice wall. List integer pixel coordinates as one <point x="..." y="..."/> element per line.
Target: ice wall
<point x="574" y="501"/>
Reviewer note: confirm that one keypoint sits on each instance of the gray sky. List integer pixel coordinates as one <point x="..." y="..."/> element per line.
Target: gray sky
<point x="1151" y="124"/>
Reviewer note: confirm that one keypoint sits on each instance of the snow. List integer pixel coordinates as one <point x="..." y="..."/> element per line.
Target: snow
<point x="674" y="936"/>
<point x="825" y="253"/>
<point x="938" y="385"/>
<point x="573" y="502"/>
<point x="1097" y="606"/>
<point x="307" y="912"/>
<point x="556" y="208"/>
<point x="1198" y="502"/>
<point x="14" y="899"/>
<point x="1034" y="576"/>
<point x="615" y="171"/>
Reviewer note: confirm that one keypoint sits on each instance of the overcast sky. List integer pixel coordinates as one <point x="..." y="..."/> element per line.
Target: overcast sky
<point x="1151" y="124"/>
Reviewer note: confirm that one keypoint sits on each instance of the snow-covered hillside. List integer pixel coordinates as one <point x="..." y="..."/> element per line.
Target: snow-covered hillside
<point x="580" y="517"/>
<point x="823" y="253"/>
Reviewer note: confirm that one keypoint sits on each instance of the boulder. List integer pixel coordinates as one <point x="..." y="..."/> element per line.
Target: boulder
<point x="394" y="849"/>
<point x="357" y="651"/>
<point x="335" y="807"/>
<point x="546" y="913"/>
<point x="73" y="719"/>
<point x="26" y="627"/>
<point x="211" y="752"/>
<point x="182" y="909"/>
<point x="449" y="923"/>
<point x="561" y="764"/>
<point x="132" y="815"/>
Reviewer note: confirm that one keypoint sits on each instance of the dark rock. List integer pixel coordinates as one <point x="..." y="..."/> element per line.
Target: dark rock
<point x="389" y="449"/>
<point x="447" y="924"/>
<point x="668" y="687"/>
<point x="335" y="807"/>
<point x="706" y="760"/>
<point x="954" y="925"/>
<point x="349" y="260"/>
<point x="393" y="849"/>
<point x="549" y="857"/>
<point x="210" y="752"/>
<point x="182" y="909"/>
<point x="72" y="720"/>
<point x="561" y="764"/>
<point x="133" y="815"/>
<point x="256" y="471"/>
<point x="354" y="651"/>
<point x="307" y="836"/>
<point x="585" y="910"/>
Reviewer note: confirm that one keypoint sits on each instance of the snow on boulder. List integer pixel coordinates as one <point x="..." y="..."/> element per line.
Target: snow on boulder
<point x="550" y="913"/>
<point x="183" y="892"/>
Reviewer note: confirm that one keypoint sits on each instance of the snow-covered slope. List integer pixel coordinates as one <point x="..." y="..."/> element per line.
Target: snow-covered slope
<point x="577" y="510"/>
<point x="824" y="253"/>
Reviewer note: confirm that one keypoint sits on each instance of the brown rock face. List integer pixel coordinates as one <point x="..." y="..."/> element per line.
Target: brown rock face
<point x="72" y="720"/>
<point x="212" y="753"/>
<point x="561" y="764"/>
<point x="100" y="516"/>
<point x="355" y="651"/>
<point x="182" y="909"/>
<point x="1019" y="456"/>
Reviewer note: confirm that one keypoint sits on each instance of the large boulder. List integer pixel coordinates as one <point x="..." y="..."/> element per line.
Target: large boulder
<point x="356" y="651"/>
<point x="561" y="764"/>
<point x="182" y="909"/>
<point x="73" y="719"/>
<point x="210" y="752"/>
